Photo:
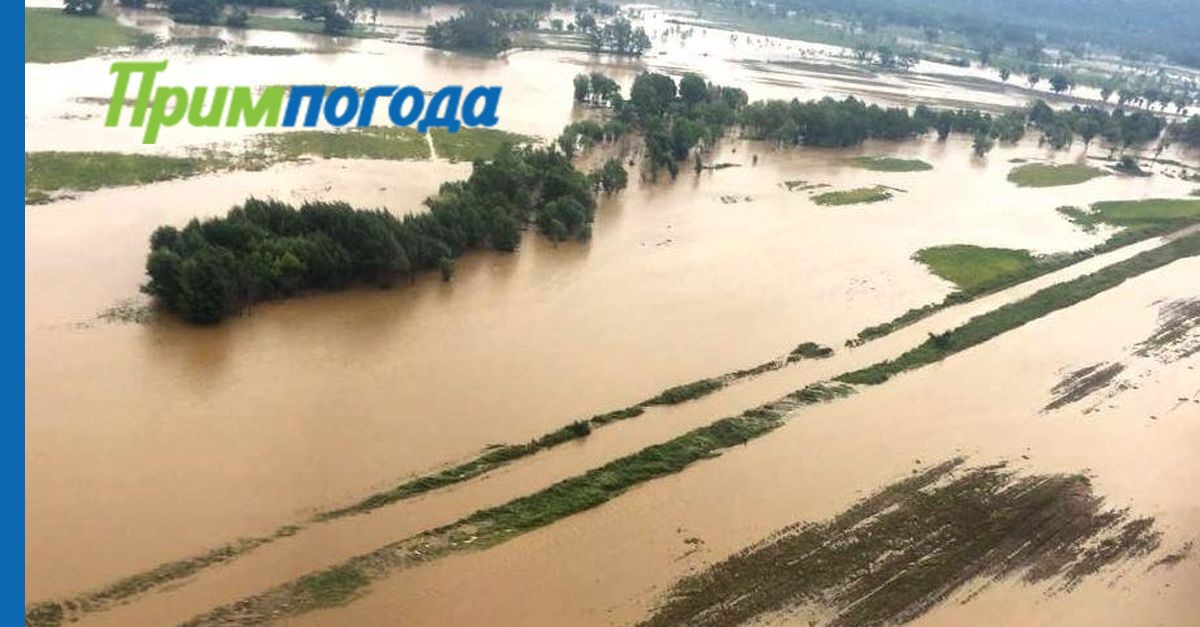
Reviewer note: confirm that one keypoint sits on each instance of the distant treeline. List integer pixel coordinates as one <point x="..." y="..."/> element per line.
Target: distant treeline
<point x="268" y="249"/>
<point x="840" y="123"/>
<point x="1133" y="27"/>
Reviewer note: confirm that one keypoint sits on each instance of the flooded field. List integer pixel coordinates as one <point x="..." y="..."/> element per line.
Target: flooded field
<point x="151" y="441"/>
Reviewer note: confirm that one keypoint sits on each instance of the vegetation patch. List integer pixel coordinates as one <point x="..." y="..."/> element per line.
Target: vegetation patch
<point x="970" y="267"/>
<point x="891" y="164"/>
<point x="855" y="196"/>
<point x="809" y="350"/>
<point x="52" y="36"/>
<point x="685" y="392"/>
<point x="372" y="142"/>
<point x="469" y="144"/>
<point x="1079" y="384"/>
<point x="1174" y="338"/>
<point x="1051" y="175"/>
<point x="894" y="555"/>
<point x="47" y="172"/>
<point x="798" y="185"/>
<point x="492" y="526"/>
<point x="986" y="326"/>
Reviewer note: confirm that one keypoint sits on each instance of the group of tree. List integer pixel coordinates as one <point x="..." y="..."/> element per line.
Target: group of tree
<point x="476" y="29"/>
<point x="885" y="56"/>
<point x="336" y="16"/>
<point x="596" y="89"/>
<point x="618" y="36"/>
<point x="673" y="118"/>
<point x="267" y="249"/>
<point x="1187" y="133"/>
<point x="849" y="122"/>
<point x="82" y="7"/>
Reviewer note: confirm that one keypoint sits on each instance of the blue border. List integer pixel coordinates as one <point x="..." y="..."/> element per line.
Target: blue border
<point x="12" y="321"/>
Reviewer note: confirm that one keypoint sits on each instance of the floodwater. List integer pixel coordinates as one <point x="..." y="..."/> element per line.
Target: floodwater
<point x="612" y="564"/>
<point x="152" y="442"/>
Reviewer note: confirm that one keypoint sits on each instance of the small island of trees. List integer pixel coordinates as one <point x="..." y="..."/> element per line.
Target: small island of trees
<point x="267" y="249"/>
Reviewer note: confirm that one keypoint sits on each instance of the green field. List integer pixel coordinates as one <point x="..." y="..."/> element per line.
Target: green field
<point x="1051" y="175"/>
<point x="470" y="144"/>
<point x="297" y="25"/>
<point x="970" y="267"/>
<point x="891" y="164"/>
<point x="52" y="36"/>
<point x="47" y="172"/>
<point x="855" y="196"/>
<point x="373" y="142"/>
<point x="1150" y="210"/>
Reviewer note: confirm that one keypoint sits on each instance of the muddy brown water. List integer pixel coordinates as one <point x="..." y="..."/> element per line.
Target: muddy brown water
<point x="186" y="437"/>
<point x="612" y="564"/>
<point x="151" y="442"/>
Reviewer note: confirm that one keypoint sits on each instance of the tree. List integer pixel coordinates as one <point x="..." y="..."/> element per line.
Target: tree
<point x="194" y="11"/>
<point x="982" y="144"/>
<point x="1005" y="74"/>
<point x="1060" y="83"/>
<point x="692" y="88"/>
<point x="583" y="87"/>
<point x="82" y="7"/>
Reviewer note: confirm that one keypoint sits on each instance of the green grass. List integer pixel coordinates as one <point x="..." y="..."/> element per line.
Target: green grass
<point x="373" y="142"/>
<point x="970" y="267"/>
<point x="52" y="36"/>
<point x="1151" y="210"/>
<point x="1050" y="175"/>
<point x="297" y="25"/>
<point x="855" y="196"/>
<point x="891" y="164"/>
<point x="47" y="172"/>
<point x="1059" y="296"/>
<point x="469" y="144"/>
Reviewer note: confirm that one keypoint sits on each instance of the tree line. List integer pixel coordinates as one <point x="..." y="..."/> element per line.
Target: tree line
<point x="266" y="249"/>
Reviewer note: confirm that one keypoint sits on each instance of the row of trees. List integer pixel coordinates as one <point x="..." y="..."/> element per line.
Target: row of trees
<point x="268" y="249"/>
<point x="849" y="122"/>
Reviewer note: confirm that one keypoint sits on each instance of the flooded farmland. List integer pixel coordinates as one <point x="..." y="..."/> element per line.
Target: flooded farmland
<point x="150" y="440"/>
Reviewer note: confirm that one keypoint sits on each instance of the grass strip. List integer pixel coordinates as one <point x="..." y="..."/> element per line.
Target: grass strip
<point x="1059" y="296"/>
<point x="489" y="527"/>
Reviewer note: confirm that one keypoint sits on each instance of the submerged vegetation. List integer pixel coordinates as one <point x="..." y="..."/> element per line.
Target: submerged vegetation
<point x="1050" y="175"/>
<point x="268" y="249"/>
<point x="472" y="144"/>
<point x="894" y="555"/>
